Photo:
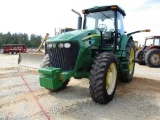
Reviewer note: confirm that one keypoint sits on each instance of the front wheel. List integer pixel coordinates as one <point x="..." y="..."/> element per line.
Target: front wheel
<point x="45" y="62"/>
<point x="103" y="78"/>
<point x="139" y="57"/>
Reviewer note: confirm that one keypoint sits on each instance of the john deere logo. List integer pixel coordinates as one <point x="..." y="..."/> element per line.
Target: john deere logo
<point x="54" y="45"/>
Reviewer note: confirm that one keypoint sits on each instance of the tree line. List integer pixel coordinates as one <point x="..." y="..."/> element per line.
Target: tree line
<point x="20" y="38"/>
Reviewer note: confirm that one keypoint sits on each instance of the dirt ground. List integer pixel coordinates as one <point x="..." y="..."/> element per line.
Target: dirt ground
<point x="22" y="98"/>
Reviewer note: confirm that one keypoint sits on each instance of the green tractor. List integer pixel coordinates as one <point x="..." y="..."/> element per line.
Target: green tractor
<point x="100" y="51"/>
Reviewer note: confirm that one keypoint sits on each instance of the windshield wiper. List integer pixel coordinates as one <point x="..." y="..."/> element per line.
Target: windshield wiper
<point x="106" y="16"/>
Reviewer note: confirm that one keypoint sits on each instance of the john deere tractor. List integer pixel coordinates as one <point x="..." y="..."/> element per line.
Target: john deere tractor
<point x="150" y="53"/>
<point x="100" y="51"/>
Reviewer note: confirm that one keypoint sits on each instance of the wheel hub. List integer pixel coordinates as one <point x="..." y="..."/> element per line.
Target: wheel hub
<point x="155" y="58"/>
<point x="111" y="78"/>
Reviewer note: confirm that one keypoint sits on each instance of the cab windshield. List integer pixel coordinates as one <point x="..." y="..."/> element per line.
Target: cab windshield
<point x="149" y="42"/>
<point x="103" y="20"/>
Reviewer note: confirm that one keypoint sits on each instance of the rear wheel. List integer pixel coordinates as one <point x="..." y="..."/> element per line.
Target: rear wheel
<point x="46" y="63"/>
<point x="127" y="76"/>
<point x="103" y="78"/>
<point x="152" y="58"/>
<point x="139" y="57"/>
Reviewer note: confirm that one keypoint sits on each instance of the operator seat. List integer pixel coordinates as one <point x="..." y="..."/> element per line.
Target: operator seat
<point x="108" y="38"/>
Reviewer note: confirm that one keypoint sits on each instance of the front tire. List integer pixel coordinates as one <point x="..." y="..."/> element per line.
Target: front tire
<point x="103" y="78"/>
<point x="46" y="63"/>
<point x="139" y="57"/>
<point x="152" y="58"/>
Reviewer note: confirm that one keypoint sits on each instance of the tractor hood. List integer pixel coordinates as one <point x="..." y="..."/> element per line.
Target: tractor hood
<point x="73" y="35"/>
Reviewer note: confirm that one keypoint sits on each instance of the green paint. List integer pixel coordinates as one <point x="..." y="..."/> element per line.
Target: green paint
<point x="96" y="7"/>
<point x="53" y="78"/>
<point x="54" y="45"/>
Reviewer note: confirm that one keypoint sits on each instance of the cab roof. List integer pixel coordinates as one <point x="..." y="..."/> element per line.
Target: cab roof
<point x="152" y="37"/>
<point x="104" y="8"/>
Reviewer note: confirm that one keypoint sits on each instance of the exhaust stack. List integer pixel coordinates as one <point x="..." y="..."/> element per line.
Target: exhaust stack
<point x="79" y="19"/>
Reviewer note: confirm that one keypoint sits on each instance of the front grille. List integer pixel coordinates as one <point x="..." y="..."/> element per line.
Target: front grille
<point x="64" y="58"/>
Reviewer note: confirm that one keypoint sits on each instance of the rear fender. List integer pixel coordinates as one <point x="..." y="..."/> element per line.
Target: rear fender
<point x="123" y="42"/>
<point x="151" y="47"/>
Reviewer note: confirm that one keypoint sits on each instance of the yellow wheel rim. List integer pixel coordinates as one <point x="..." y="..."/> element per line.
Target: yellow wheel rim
<point x="111" y="78"/>
<point x="131" y="63"/>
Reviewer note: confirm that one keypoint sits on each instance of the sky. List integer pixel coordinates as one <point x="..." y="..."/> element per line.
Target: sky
<point x="42" y="16"/>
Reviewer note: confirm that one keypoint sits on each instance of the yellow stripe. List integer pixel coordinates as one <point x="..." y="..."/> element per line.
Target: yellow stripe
<point x="142" y="30"/>
<point x="90" y="36"/>
<point x="147" y="30"/>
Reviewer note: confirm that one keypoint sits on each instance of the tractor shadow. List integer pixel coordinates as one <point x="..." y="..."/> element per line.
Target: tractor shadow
<point x="138" y="99"/>
<point x="76" y="89"/>
<point x="79" y="89"/>
<point x="138" y="86"/>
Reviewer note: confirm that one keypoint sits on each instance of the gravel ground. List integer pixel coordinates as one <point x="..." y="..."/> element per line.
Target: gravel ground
<point x="21" y="97"/>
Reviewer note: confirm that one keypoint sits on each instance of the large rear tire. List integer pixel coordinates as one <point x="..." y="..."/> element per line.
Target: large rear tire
<point x="139" y="57"/>
<point x="46" y="63"/>
<point x="103" y="78"/>
<point x="130" y="57"/>
<point x="152" y="58"/>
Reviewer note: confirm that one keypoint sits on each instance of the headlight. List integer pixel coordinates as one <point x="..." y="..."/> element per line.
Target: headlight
<point x="60" y="45"/>
<point x="67" y="45"/>
<point x="49" y="45"/>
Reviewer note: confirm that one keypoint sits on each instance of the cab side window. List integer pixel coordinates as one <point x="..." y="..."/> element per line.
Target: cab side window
<point x="157" y="42"/>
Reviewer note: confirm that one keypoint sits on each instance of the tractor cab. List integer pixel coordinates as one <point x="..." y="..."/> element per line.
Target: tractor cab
<point x="152" y="42"/>
<point x="108" y="21"/>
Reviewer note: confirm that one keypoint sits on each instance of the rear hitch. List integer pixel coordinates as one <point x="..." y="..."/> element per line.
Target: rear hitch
<point x="136" y="61"/>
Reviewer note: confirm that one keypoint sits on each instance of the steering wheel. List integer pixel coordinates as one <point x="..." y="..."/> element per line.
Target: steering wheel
<point x="103" y="26"/>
